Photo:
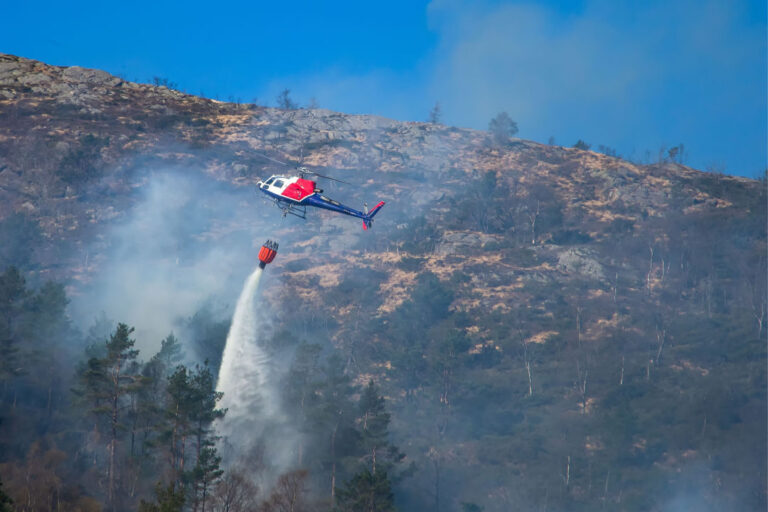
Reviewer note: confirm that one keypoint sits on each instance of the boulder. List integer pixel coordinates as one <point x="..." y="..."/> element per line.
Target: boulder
<point x="90" y="76"/>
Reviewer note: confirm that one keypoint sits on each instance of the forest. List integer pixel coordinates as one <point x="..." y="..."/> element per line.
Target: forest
<point x="120" y="432"/>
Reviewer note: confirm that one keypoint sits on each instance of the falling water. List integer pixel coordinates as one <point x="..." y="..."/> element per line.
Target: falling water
<point x="244" y="375"/>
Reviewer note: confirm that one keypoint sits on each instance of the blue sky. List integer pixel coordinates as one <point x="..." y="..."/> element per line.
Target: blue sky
<point x="634" y="76"/>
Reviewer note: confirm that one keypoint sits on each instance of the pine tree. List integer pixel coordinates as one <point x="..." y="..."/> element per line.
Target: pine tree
<point x="13" y="295"/>
<point x="370" y="489"/>
<point x="436" y="114"/>
<point x="104" y="382"/>
<point x="335" y="417"/>
<point x="169" y="499"/>
<point x="170" y="354"/>
<point x="191" y="409"/>
<point x="374" y="426"/>
<point x="177" y="410"/>
<point x="204" y="476"/>
<point x="502" y="128"/>
<point x="366" y="492"/>
<point x="202" y="410"/>
<point x="150" y="415"/>
<point x="120" y="356"/>
<point x="46" y="332"/>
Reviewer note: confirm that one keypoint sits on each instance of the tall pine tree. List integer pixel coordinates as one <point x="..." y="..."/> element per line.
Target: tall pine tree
<point x="374" y="427"/>
<point x="104" y="383"/>
<point x="204" y="477"/>
<point x="13" y="294"/>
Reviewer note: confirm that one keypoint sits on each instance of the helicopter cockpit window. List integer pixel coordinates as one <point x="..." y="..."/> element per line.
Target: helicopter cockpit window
<point x="270" y="180"/>
<point x="278" y="183"/>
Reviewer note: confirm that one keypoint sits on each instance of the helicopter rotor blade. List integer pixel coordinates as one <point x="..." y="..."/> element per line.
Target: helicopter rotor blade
<point x="326" y="177"/>
<point x="262" y="155"/>
<point x="301" y="169"/>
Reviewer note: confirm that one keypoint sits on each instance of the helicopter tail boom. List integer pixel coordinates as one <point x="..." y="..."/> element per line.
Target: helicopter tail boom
<point x="368" y="218"/>
<point x="327" y="203"/>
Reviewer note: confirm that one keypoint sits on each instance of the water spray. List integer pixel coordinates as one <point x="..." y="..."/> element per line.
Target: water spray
<point x="244" y="375"/>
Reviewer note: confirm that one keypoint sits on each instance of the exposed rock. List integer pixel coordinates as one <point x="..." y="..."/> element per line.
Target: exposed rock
<point x="89" y="76"/>
<point x="580" y="261"/>
<point x="459" y="241"/>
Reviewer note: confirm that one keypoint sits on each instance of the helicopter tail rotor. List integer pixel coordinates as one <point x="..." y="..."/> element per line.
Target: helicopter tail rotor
<point x="368" y="218"/>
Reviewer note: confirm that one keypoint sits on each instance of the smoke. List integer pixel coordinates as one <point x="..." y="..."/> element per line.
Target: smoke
<point x="179" y="247"/>
<point x="247" y="379"/>
<point x="630" y="76"/>
<point x="593" y="71"/>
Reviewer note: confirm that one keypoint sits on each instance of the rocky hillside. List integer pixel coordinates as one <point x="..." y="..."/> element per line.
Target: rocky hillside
<point x="553" y="327"/>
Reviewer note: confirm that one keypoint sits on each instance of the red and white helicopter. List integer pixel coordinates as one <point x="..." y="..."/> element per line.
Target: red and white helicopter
<point x="292" y="194"/>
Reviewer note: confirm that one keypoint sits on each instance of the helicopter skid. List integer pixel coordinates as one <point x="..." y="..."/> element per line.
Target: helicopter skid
<point x="292" y="209"/>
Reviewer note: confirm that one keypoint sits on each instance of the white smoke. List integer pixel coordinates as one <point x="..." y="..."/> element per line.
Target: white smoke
<point x="176" y="248"/>
<point x="247" y="380"/>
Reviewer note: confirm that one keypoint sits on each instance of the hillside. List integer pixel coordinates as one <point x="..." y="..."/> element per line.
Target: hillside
<point x="552" y="328"/>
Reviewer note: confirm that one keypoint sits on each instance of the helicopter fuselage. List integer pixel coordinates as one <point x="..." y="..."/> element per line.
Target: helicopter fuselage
<point x="293" y="194"/>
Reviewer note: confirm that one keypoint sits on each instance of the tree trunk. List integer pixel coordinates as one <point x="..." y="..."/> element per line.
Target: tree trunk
<point x="530" y="380"/>
<point x="661" y="336"/>
<point x="532" y="219"/>
<point x="436" y="462"/>
<point x="578" y="326"/>
<point x="373" y="460"/>
<point x="527" y="361"/>
<point x="113" y="440"/>
<point x="174" y="457"/>
<point x="650" y="271"/>
<point x="183" y="449"/>
<point x="621" y="374"/>
<point x="333" y="466"/>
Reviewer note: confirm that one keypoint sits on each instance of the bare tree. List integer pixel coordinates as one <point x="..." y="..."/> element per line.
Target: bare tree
<point x="285" y="101"/>
<point x="650" y="270"/>
<point x="759" y="309"/>
<point x="527" y="361"/>
<point x="288" y="493"/>
<point x="159" y="81"/>
<point x="677" y="154"/>
<point x="758" y="299"/>
<point x="580" y="144"/>
<point x="621" y="374"/>
<point x="532" y="216"/>
<point x="235" y="492"/>
<point x="661" y="336"/>
<point x="436" y="459"/>
<point x="582" y="385"/>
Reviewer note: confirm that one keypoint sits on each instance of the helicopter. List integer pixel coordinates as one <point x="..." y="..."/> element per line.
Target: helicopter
<point x="293" y="193"/>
